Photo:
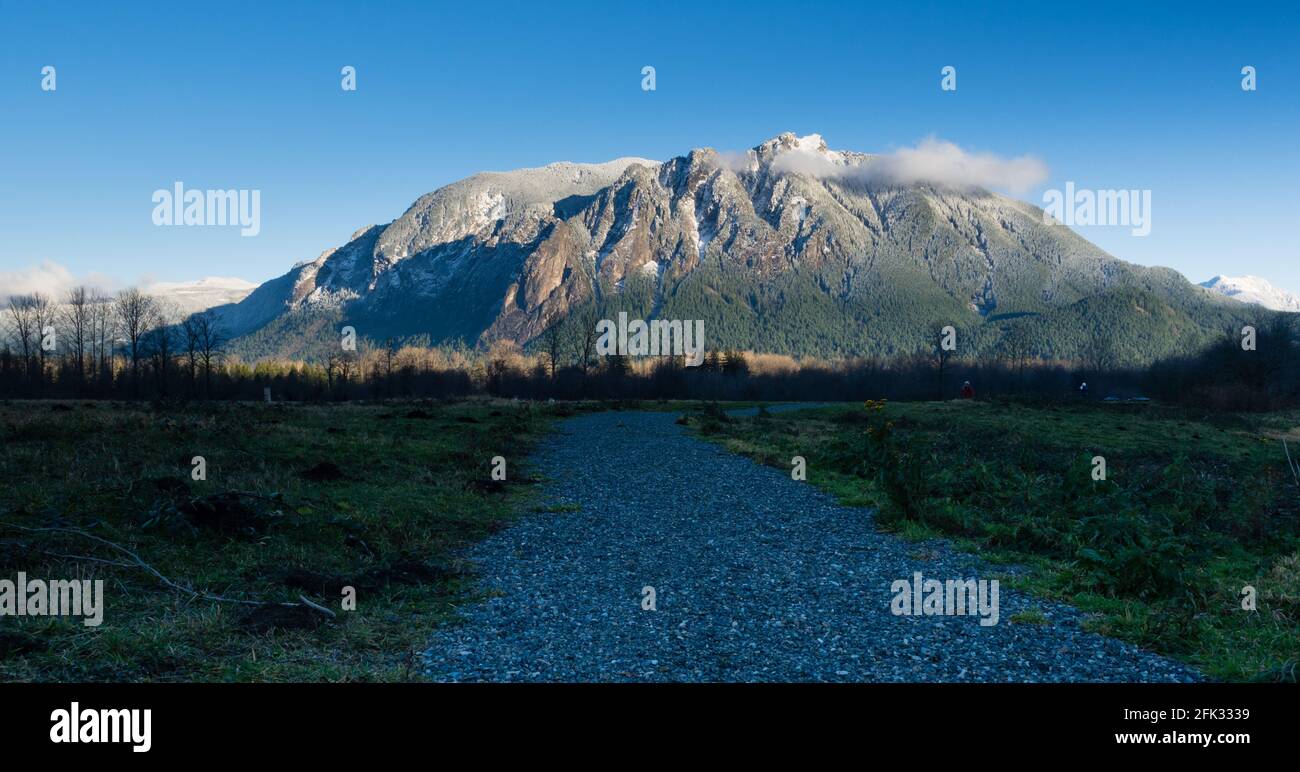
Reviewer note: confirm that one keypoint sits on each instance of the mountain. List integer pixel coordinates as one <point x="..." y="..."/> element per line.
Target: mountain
<point x="1252" y="289"/>
<point x="790" y="247"/>
<point x="190" y="297"/>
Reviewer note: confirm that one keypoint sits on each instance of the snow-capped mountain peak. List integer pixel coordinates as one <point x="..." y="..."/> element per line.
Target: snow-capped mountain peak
<point x="787" y="237"/>
<point x="1253" y="289"/>
<point x="193" y="296"/>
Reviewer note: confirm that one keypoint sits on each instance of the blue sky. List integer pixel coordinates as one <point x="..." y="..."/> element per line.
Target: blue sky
<point x="234" y="95"/>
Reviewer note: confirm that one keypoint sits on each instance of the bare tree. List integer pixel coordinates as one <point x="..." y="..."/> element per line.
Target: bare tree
<point x="504" y="359"/>
<point x="135" y="315"/>
<point x="160" y="339"/>
<point x="347" y="365"/>
<point x="24" y="326"/>
<point x="190" y="351"/>
<point x="76" y="314"/>
<point x="102" y="323"/>
<point x="43" y="313"/>
<point x="7" y="360"/>
<point x="331" y="366"/>
<point x="552" y="340"/>
<point x="338" y="370"/>
<point x="202" y="341"/>
<point x="584" y="341"/>
<point x="390" y="356"/>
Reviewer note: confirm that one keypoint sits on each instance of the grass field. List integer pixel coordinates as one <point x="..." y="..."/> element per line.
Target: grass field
<point x="1193" y="508"/>
<point x="301" y="501"/>
<point x="298" y="503"/>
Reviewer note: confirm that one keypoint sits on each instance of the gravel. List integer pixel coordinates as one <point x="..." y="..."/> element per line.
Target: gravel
<point x="757" y="577"/>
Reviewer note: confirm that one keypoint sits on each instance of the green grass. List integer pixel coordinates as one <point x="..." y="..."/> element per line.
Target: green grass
<point x="1031" y="616"/>
<point x="1194" y="507"/>
<point x="414" y="490"/>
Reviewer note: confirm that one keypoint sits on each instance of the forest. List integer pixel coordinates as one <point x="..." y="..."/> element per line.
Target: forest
<point x="134" y="346"/>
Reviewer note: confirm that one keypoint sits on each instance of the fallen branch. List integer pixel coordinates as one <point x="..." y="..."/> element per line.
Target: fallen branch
<point x="138" y="562"/>
<point x="316" y="606"/>
<point x="1290" y="464"/>
<point x="90" y="559"/>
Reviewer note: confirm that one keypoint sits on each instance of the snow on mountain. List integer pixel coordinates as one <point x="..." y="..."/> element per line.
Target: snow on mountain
<point x="193" y="296"/>
<point x="1253" y="289"/>
<point x="790" y="247"/>
<point x="476" y="204"/>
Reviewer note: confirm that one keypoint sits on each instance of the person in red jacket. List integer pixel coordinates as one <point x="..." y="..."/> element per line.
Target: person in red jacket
<point x="967" y="391"/>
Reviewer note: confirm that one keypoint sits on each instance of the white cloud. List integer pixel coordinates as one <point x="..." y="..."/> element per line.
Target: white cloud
<point x="51" y="279"/>
<point x="737" y="162"/>
<point x="942" y="163"/>
<point x="811" y="164"/>
<point x="932" y="161"/>
<point x="54" y="280"/>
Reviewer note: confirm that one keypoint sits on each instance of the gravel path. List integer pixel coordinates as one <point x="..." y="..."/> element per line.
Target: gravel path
<point x="757" y="578"/>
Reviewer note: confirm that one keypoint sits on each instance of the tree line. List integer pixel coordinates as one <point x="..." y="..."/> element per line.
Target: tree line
<point x="132" y="345"/>
<point x="89" y="344"/>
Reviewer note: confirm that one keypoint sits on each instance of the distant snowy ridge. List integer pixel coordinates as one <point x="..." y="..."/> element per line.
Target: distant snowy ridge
<point x="1252" y="289"/>
<point x="191" y="297"/>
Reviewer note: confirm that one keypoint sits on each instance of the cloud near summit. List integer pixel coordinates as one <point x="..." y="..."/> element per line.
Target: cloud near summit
<point x="932" y="161"/>
<point x="943" y="163"/>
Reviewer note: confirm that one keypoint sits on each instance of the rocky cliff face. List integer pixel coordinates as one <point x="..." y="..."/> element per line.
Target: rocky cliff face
<point x="789" y="247"/>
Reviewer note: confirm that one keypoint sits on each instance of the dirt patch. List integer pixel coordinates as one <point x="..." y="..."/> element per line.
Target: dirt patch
<point x="404" y="571"/>
<point x="487" y="486"/>
<point x="410" y="571"/>
<point x="316" y="582"/>
<point x="225" y="513"/>
<point x="361" y="545"/>
<point x="325" y="471"/>
<point x="270" y="617"/>
<point x="15" y="643"/>
<point x="172" y="486"/>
